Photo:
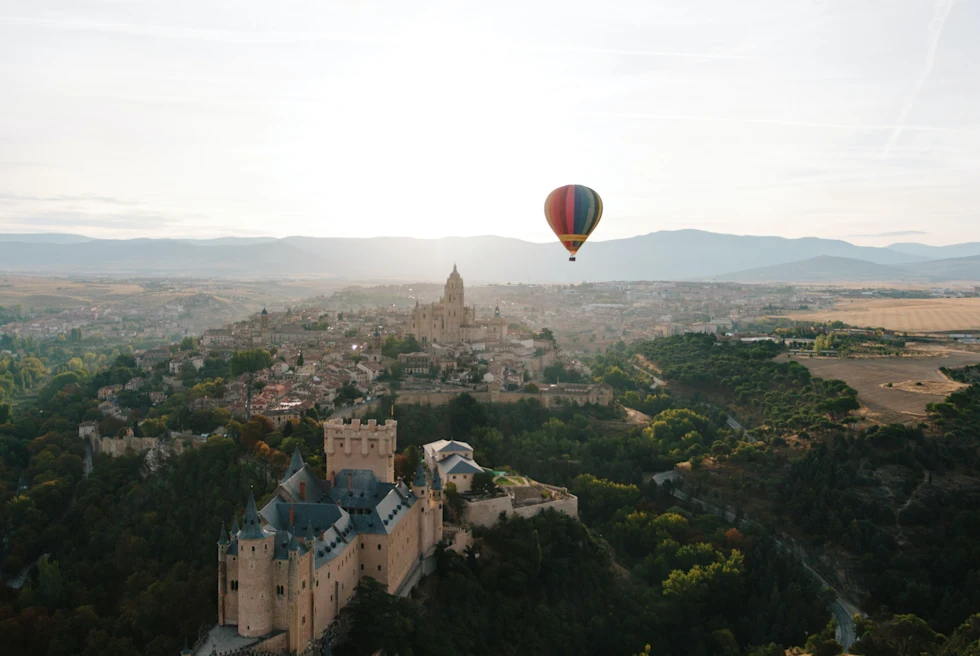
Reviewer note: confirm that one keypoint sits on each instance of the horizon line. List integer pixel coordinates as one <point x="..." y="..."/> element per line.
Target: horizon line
<point x="842" y="238"/>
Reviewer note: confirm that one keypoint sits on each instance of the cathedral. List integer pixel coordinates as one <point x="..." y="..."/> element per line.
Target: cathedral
<point x="450" y="322"/>
<point x="286" y="572"/>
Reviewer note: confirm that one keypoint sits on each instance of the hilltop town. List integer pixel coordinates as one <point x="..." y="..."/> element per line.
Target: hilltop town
<point x="379" y="443"/>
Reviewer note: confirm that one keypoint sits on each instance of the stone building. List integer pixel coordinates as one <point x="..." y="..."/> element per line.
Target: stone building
<point x="288" y="570"/>
<point x="450" y="322"/>
<point x="454" y="462"/>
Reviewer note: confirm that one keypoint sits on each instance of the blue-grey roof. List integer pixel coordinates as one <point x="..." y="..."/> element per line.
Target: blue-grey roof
<point x="234" y="526"/>
<point x="453" y="445"/>
<point x="316" y="490"/>
<point x="436" y="479"/>
<point x="320" y="515"/>
<point x="252" y="525"/>
<point x="294" y="465"/>
<point x="456" y="464"/>
<point x="419" y="476"/>
<point x="222" y="536"/>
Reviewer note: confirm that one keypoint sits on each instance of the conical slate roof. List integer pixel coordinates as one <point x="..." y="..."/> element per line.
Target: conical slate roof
<point x="222" y="537"/>
<point x="419" y="477"/>
<point x="252" y="528"/>
<point x="310" y="536"/>
<point x="294" y="465"/>
<point x="436" y="480"/>
<point x="235" y="528"/>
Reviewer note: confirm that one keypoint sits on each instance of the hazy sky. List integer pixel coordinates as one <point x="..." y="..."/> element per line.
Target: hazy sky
<point x="857" y="119"/>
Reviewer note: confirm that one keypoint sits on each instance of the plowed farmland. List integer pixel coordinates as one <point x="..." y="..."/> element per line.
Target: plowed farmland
<point x="870" y="377"/>
<point x="910" y="314"/>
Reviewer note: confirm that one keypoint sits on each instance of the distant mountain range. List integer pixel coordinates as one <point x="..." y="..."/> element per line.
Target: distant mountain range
<point x="665" y="255"/>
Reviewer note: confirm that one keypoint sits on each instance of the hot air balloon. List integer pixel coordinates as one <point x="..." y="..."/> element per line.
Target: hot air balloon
<point x="573" y="212"/>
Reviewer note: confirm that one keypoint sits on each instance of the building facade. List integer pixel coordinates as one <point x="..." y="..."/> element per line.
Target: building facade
<point x="450" y="322"/>
<point x="286" y="572"/>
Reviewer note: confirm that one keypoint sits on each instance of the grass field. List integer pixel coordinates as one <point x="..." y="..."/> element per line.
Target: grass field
<point x="870" y="377"/>
<point x="60" y="293"/>
<point x="910" y="314"/>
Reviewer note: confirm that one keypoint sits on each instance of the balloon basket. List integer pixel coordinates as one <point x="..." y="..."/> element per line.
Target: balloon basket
<point x="571" y="259"/>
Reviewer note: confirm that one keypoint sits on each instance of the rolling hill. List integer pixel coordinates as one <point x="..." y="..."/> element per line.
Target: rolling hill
<point x="664" y="255"/>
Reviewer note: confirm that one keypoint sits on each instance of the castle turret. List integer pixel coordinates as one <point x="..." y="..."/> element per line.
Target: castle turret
<point x="222" y="574"/>
<point x="420" y="486"/>
<point x="294" y="465"/>
<point x="436" y="484"/>
<point x="255" y="553"/>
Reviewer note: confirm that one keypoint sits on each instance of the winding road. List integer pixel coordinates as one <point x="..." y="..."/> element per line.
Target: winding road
<point x="842" y="610"/>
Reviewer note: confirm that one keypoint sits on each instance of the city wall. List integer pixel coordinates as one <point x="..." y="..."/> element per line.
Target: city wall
<point x="486" y="512"/>
<point x="441" y="398"/>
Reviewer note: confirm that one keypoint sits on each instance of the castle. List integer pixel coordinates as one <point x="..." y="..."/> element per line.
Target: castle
<point x="450" y="322"/>
<point x="289" y="569"/>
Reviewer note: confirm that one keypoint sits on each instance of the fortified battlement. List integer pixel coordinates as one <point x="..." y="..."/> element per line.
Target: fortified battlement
<point x="361" y="445"/>
<point x="357" y="425"/>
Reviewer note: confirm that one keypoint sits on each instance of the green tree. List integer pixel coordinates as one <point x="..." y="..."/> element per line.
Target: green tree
<point x="250" y="361"/>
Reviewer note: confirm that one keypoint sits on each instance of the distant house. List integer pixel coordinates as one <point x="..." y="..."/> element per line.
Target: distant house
<point x="416" y="364"/>
<point x="134" y="384"/>
<point x="157" y="397"/>
<point x="148" y="359"/>
<point x="455" y="463"/>
<point x="109" y="391"/>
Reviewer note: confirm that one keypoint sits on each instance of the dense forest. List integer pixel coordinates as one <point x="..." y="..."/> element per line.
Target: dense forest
<point x="777" y="396"/>
<point x="895" y="506"/>
<point x="127" y="555"/>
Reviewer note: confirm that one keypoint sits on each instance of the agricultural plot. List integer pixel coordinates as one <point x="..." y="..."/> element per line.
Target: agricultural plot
<point x="908" y="315"/>
<point x="904" y="401"/>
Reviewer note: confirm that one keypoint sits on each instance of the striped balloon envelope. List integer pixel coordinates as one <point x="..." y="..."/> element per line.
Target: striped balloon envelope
<point x="573" y="212"/>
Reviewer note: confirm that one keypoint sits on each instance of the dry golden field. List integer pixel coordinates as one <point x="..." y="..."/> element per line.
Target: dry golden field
<point x="904" y="401"/>
<point x="908" y="314"/>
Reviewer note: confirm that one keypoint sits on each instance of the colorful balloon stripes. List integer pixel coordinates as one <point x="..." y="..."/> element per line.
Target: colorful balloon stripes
<point x="573" y="212"/>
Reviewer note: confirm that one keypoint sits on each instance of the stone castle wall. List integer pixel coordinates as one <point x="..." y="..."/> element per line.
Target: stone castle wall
<point x="486" y="512"/>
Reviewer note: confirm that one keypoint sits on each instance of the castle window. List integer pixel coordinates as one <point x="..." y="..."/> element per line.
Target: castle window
<point x="253" y="548"/>
<point x="379" y="546"/>
<point x="362" y="567"/>
<point x="362" y="545"/>
<point x="379" y="568"/>
<point x="304" y="619"/>
<point x="304" y="584"/>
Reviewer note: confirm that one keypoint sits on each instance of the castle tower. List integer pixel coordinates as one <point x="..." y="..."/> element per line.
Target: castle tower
<point x="264" y="321"/>
<point x="420" y="486"/>
<point x="361" y="446"/>
<point x="255" y="553"/>
<point x="222" y="574"/>
<point x="294" y="592"/>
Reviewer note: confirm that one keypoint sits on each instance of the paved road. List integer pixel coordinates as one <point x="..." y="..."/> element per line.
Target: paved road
<point x="842" y="609"/>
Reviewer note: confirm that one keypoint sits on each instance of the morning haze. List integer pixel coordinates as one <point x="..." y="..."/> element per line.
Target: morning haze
<point x="369" y="328"/>
<point x="851" y="120"/>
